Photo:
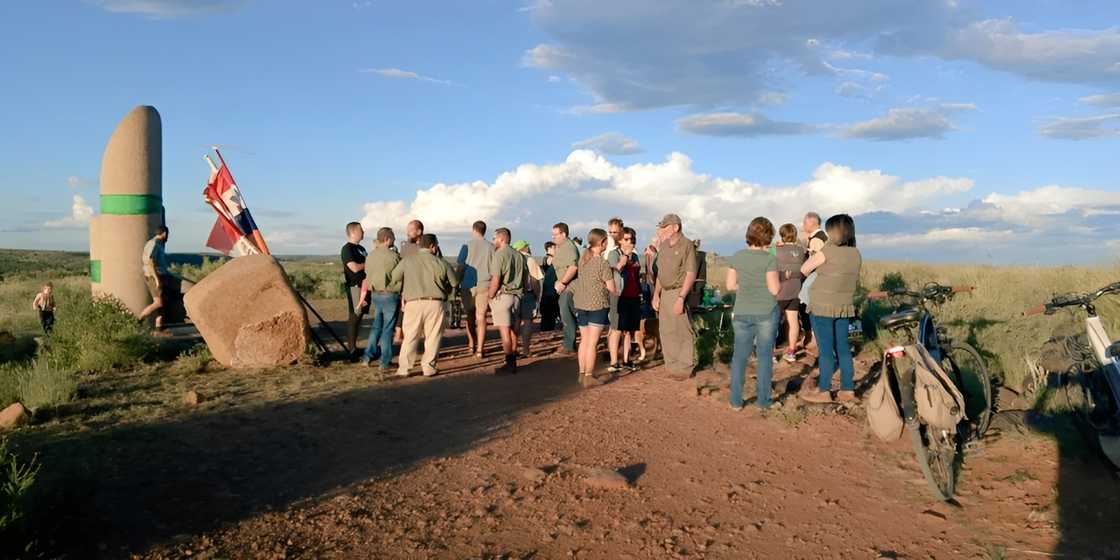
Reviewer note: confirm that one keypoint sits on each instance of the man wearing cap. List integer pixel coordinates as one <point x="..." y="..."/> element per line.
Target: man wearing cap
<point x="566" y="263"/>
<point x="676" y="272"/>
<point x="508" y="276"/>
<point x="474" y="271"/>
<point x="531" y="299"/>
<point x="426" y="281"/>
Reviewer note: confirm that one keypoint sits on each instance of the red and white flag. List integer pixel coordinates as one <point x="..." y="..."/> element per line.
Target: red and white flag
<point x="234" y="231"/>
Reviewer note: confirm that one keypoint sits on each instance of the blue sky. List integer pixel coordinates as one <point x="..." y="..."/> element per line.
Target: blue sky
<point x="952" y="130"/>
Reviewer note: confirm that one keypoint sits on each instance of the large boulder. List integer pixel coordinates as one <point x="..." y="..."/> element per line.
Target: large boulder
<point x="248" y="314"/>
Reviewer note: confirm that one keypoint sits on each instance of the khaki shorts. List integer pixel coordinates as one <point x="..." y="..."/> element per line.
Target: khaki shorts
<point x="504" y="308"/>
<point x="153" y="288"/>
<point x="470" y="298"/>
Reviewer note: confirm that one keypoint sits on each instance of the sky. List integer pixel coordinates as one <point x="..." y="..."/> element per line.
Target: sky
<point x="952" y="130"/>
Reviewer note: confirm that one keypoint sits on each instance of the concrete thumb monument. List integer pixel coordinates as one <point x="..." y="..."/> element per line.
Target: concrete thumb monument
<point x="131" y="208"/>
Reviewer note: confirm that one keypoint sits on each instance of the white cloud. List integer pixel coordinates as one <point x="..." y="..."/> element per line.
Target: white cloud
<point x="1082" y="128"/>
<point x="75" y="182"/>
<point x="740" y="124"/>
<point x="947" y="236"/>
<point x="80" y="213"/>
<point x="171" y="8"/>
<point x="609" y="143"/>
<point x="397" y="73"/>
<point x="1051" y="202"/>
<point x="904" y="123"/>
<point x="1106" y="100"/>
<point x="587" y="187"/>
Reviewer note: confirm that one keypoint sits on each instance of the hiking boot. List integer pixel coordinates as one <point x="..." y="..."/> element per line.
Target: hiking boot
<point x="846" y="396"/>
<point x="508" y="368"/>
<point x="816" y="396"/>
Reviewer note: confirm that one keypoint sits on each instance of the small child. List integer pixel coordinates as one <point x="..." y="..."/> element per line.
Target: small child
<point x="44" y="304"/>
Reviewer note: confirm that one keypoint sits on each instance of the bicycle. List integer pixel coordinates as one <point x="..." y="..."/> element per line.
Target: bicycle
<point x="1092" y="382"/>
<point x="939" y="451"/>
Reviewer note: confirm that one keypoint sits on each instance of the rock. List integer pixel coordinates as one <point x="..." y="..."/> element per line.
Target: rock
<point x="191" y="398"/>
<point x="606" y="479"/>
<point x="13" y="417"/>
<point x="532" y="474"/>
<point x="249" y="315"/>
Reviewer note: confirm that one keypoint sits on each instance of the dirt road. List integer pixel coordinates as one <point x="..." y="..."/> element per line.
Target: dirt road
<point x="476" y="466"/>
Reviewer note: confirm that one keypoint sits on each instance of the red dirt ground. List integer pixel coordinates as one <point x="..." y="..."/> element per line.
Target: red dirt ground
<point x="469" y="465"/>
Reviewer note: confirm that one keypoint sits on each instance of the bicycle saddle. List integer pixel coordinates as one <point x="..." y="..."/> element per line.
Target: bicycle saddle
<point x="900" y="319"/>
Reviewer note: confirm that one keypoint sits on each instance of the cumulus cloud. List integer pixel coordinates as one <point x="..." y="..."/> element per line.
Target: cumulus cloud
<point x="957" y="236"/>
<point x="740" y="124"/>
<point x="1082" y="128"/>
<point x="80" y="213"/>
<point x="171" y="8"/>
<point x="586" y="185"/>
<point x="398" y="74"/>
<point x="609" y="143"/>
<point x="905" y="123"/>
<point x="720" y="53"/>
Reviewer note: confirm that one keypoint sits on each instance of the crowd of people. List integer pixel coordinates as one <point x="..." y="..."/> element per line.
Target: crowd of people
<point x="800" y="286"/>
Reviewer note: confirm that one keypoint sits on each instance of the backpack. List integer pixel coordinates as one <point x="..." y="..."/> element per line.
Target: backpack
<point x="940" y="403"/>
<point x="883" y="413"/>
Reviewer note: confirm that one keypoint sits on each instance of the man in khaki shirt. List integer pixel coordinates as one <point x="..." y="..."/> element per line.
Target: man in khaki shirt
<point x="426" y="280"/>
<point x="566" y="265"/>
<point x="385" y="299"/>
<point x="508" y="277"/>
<point x="676" y="273"/>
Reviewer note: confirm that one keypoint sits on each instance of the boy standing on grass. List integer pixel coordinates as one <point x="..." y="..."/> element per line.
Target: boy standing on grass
<point x="44" y="304"/>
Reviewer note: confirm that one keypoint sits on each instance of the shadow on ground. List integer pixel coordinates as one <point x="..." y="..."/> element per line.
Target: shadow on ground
<point x="124" y="489"/>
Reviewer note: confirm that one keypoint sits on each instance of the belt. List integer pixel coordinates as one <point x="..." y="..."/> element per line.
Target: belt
<point x="667" y="288"/>
<point x="424" y="299"/>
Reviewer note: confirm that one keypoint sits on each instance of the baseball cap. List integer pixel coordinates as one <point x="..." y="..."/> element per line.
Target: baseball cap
<point x="519" y="244"/>
<point x="669" y="219"/>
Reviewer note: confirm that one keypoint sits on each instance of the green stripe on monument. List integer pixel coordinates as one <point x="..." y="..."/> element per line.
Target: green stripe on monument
<point x="95" y="271"/>
<point x="130" y="204"/>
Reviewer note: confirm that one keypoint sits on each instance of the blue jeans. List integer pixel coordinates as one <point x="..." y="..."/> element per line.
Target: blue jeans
<point x="568" y="316"/>
<point x="754" y="333"/>
<point x="383" y="308"/>
<point x="832" y="340"/>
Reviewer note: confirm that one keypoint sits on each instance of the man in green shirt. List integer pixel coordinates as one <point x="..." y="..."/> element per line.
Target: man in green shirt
<point x="385" y="299"/>
<point x="676" y="273"/>
<point x="508" y="276"/>
<point x="566" y="263"/>
<point x="426" y="281"/>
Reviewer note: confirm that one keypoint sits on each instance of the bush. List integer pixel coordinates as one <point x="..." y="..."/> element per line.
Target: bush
<point x="9" y="383"/>
<point x="15" y="483"/>
<point x="96" y="335"/>
<point x="42" y="387"/>
<point x="194" y="360"/>
<point x="196" y="272"/>
<point x="16" y="348"/>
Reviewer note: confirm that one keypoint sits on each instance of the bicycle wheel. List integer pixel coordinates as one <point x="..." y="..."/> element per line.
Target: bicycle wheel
<point x="975" y="384"/>
<point x="936" y="451"/>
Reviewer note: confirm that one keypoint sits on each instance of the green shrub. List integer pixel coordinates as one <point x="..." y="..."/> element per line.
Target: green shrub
<point x="15" y="483"/>
<point x="195" y="273"/>
<point x="43" y="387"/>
<point x="10" y="375"/>
<point x="194" y="360"/>
<point x="95" y="335"/>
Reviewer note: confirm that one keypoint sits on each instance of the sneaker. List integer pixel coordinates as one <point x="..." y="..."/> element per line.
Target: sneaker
<point x="790" y="357"/>
<point x="737" y="408"/>
<point x="613" y="368"/>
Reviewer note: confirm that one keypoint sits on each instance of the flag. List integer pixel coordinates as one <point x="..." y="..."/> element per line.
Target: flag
<point x="234" y="231"/>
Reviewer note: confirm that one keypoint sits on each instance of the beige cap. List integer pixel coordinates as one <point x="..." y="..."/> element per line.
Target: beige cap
<point x="668" y="220"/>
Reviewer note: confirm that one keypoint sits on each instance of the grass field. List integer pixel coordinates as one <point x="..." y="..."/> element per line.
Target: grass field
<point x="990" y="318"/>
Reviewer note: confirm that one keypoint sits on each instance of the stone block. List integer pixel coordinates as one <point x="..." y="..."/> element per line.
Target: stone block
<point x="248" y="314"/>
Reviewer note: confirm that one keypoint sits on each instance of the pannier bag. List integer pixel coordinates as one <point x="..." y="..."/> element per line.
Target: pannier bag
<point x="883" y="413"/>
<point x="940" y="403"/>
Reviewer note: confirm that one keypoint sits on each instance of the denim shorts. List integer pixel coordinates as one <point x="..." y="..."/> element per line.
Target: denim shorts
<point x="596" y="318"/>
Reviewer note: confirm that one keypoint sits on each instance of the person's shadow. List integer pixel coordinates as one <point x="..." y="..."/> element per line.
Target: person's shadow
<point x="126" y="488"/>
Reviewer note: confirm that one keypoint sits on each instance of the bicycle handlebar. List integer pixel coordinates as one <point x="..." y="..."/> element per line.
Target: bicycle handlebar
<point x="932" y="291"/>
<point x="1070" y="300"/>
